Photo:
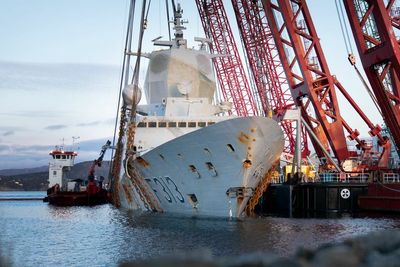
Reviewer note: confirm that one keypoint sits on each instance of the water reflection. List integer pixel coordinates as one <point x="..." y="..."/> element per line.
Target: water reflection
<point x="106" y="236"/>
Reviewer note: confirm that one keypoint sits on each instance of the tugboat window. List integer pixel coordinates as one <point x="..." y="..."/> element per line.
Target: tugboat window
<point x="182" y="124"/>
<point x="171" y="124"/>
<point x="142" y="124"/>
<point x="201" y="124"/>
<point x="210" y="123"/>
<point x="162" y="124"/>
<point x="191" y="124"/>
<point x="57" y="156"/>
<point x="152" y="124"/>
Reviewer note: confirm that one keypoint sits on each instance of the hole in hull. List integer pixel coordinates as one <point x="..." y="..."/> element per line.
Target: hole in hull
<point x="230" y="148"/>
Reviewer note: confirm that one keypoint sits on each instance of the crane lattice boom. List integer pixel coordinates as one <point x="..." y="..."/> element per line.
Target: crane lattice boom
<point x="228" y="66"/>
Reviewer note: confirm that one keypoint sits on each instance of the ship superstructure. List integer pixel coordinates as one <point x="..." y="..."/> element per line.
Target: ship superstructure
<point x="61" y="162"/>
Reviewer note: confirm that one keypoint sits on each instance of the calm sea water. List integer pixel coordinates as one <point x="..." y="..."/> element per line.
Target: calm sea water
<point x="36" y="234"/>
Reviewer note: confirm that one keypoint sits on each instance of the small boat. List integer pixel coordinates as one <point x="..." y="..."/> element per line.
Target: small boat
<point x="76" y="192"/>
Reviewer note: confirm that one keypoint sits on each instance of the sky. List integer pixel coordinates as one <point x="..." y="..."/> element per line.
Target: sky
<point x="60" y="64"/>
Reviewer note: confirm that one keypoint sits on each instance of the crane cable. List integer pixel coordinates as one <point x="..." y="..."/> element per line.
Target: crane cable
<point x="343" y="27"/>
<point x="169" y="26"/>
<point x="173" y="6"/>
<point x="130" y="24"/>
<point x="136" y="179"/>
<point x="351" y="57"/>
<point x="143" y="26"/>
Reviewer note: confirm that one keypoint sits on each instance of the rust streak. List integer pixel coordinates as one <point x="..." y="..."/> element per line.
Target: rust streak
<point x="142" y="162"/>
<point x="243" y="138"/>
<point x="127" y="193"/>
<point x="247" y="163"/>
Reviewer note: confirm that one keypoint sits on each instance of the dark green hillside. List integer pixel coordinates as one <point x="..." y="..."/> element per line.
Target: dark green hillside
<point x="24" y="182"/>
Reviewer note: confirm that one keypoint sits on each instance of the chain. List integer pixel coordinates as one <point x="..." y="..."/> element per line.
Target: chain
<point x="139" y="191"/>
<point x="260" y="189"/>
<point x="138" y="181"/>
<point x="135" y="177"/>
<point x="117" y="158"/>
<point x="149" y="202"/>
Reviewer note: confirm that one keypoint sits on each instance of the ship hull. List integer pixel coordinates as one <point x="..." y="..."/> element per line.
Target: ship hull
<point x="209" y="172"/>
<point x="63" y="198"/>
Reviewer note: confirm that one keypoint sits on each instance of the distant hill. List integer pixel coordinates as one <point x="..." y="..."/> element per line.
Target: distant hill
<point x="20" y="180"/>
<point x="24" y="171"/>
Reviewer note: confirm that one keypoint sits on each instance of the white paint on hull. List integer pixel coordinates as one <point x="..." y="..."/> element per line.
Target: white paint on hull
<point x="203" y="164"/>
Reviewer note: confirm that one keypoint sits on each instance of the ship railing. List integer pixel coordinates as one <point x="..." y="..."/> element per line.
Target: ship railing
<point x="330" y="177"/>
<point x="391" y="178"/>
<point x="278" y="179"/>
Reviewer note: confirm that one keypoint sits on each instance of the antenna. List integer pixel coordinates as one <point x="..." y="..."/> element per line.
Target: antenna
<point x="74" y="138"/>
<point x="63" y="142"/>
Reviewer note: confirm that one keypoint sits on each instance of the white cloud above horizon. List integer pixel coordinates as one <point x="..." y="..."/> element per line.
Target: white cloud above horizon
<point x="24" y="156"/>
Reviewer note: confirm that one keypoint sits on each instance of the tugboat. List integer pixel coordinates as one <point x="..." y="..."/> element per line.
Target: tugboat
<point x="75" y="192"/>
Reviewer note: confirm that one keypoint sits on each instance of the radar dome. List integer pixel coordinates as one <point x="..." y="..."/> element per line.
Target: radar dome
<point x="131" y="94"/>
<point x="185" y="87"/>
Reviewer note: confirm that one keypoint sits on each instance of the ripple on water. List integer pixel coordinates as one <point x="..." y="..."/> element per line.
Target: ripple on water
<point x="36" y="234"/>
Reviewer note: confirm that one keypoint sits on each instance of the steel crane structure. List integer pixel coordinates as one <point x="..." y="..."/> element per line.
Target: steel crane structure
<point x="374" y="26"/>
<point x="312" y="85"/>
<point x="280" y="40"/>
<point x="228" y="66"/>
<point x="266" y="68"/>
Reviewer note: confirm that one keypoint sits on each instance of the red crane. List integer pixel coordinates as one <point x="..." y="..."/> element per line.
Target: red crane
<point x="229" y="70"/>
<point x="312" y="85"/>
<point x="266" y="68"/>
<point x="374" y="25"/>
<point x="99" y="160"/>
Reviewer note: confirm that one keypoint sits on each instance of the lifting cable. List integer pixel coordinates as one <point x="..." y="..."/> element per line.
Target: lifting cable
<point x="121" y="84"/>
<point x="143" y="26"/>
<point x="343" y="27"/>
<point x="169" y="26"/>
<point x="138" y="182"/>
<point x="173" y="6"/>
<point x="351" y="57"/>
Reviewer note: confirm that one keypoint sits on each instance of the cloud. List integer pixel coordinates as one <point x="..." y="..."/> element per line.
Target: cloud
<point x="8" y="133"/>
<point x="44" y="76"/>
<point x="110" y="121"/>
<point x="24" y="151"/>
<point x="19" y="156"/>
<point x="56" y="127"/>
<point x="11" y="128"/>
<point x="4" y="148"/>
<point x="93" y="123"/>
<point x="32" y="114"/>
